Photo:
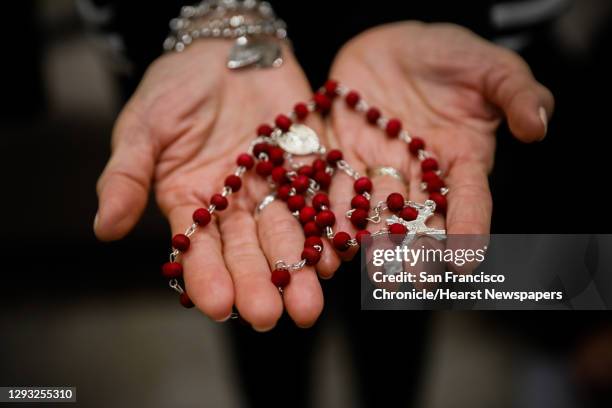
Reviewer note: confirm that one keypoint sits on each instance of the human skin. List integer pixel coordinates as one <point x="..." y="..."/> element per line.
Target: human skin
<point x="190" y="117"/>
<point x="452" y="89"/>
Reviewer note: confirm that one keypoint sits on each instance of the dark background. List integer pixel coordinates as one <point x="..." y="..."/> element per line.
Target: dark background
<point x="74" y="311"/>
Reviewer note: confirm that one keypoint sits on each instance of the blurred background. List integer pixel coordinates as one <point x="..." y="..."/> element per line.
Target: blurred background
<point x="77" y="312"/>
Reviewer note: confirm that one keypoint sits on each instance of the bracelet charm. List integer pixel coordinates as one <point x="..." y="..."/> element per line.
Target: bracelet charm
<point x="262" y="53"/>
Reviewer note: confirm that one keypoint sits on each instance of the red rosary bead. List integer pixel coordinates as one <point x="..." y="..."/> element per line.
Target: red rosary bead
<point x="307" y="171"/>
<point x="301" y="183"/>
<point x="394" y="126"/>
<point x="341" y="241"/>
<point x="372" y="115"/>
<point x="311" y="255"/>
<point x="330" y="87"/>
<point x="362" y="185"/>
<point x="429" y="176"/>
<point x="311" y="229"/>
<point x="359" y="201"/>
<point x="360" y="234"/>
<point x="435" y="185"/>
<point x="260" y="148"/>
<point x="429" y="164"/>
<point x="325" y="218"/>
<point x="316" y="219"/>
<point x="307" y="214"/>
<point x="313" y="241"/>
<point x="319" y="165"/>
<point x="233" y="182"/>
<point x="283" y="192"/>
<point x="397" y="229"/>
<point x="395" y="202"/>
<point x="181" y="242"/>
<point x="301" y="110"/>
<point x="320" y="200"/>
<point x="359" y="218"/>
<point x="323" y="179"/>
<point x="279" y="175"/>
<point x="201" y="216"/>
<point x="397" y="232"/>
<point x="264" y="130"/>
<point x="408" y="213"/>
<point x="415" y="145"/>
<point x="283" y="122"/>
<point x="185" y="301"/>
<point x="296" y="203"/>
<point x="334" y="156"/>
<point x="440" y="201"/>
<point x="219" y="201"/>
<point x="172" y="270"/>
<point x="280" y="277"/>
<point x="245" y="160"/>
<point x="277" y="155"/>
<point x="322" y="102"/>
<point x="352" y="98"/>
<point x="264" y="168"/>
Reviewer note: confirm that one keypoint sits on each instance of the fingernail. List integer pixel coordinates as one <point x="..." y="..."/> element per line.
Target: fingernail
<point x="225" y="319"/>
<point x="95" y="223"/>
<point x="544" y="119"/>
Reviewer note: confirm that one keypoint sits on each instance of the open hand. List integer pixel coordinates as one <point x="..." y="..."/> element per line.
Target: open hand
<point x="448" y="87"/>
<point x="182" y="131"/>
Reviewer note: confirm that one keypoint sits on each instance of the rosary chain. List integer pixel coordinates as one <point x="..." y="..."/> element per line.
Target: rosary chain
<point x="271" y="136"/>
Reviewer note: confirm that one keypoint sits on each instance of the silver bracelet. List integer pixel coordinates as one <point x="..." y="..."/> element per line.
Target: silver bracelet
<point x="252" y="25"/>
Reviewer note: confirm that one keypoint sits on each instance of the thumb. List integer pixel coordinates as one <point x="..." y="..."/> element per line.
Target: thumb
<point x="123" y="187"/>
<point x="527" y="104"/>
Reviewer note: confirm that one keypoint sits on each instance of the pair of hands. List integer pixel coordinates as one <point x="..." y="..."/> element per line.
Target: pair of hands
<point x="190" y="117"/>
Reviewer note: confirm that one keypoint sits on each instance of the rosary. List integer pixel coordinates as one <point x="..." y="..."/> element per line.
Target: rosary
<point x="303" y="187"/>
<point x="270" y="155"/>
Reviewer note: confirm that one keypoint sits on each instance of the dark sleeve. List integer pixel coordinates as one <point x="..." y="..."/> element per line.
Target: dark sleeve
<point x="319" y="28"/>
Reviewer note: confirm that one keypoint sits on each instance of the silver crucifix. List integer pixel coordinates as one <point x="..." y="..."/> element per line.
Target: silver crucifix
<point x="418" y="227"/>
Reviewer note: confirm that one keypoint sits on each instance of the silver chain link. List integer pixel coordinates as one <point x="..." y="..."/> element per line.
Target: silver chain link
<point x="345" y="167"/>
<point x="174" y="284"/>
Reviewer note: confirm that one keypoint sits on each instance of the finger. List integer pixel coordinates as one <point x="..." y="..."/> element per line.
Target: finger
<point x="282" y="239"/>
<point x="342" y="191"/>
<point x="469" y="199"/>
<point x="329" y="261"/>
<point x="340" y="194"/>
<point x="124" y="185"/>
<point x="207" y="280"/>
<point x="380" y="154"/>
<point x="419" y="195"/>
<point x="468" y="219"/>
<point x="527" y="104"/>
<point x="257" y="300"/>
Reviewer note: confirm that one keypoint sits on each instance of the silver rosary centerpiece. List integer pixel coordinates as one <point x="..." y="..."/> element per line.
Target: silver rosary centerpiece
<point x="299" y="140"/>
